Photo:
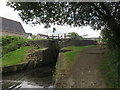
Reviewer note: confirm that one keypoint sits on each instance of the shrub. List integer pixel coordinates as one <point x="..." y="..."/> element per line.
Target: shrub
<point x="11" y="43"/>
<point x="9" y="39"/>
<point x="110" y="68"/>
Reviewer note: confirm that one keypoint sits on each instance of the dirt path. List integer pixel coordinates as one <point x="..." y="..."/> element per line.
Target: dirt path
<point x="85" y="72"/>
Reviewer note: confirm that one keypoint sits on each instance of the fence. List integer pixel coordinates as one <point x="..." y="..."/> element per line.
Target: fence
<point x="64" y="36"/>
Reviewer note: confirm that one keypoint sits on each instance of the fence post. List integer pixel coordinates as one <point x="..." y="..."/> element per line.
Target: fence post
<point x="52" y="36"/>
<point x="65" y="36"/>
<point x="58" y="36"/>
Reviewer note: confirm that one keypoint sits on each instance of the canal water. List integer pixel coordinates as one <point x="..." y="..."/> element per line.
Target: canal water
<point x="32" y="78"/>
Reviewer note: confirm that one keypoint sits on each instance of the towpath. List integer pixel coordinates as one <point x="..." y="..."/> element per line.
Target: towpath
<point x="85" y="72"/>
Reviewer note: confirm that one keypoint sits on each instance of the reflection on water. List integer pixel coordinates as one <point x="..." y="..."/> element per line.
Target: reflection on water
<point x="37" y="78"/>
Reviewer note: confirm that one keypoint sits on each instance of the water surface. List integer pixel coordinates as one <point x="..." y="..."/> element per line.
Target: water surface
<point x="32" y="78"/>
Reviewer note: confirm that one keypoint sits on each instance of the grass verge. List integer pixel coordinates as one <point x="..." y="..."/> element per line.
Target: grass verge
<point x="109" y="68"/>
<point x="70" y="56"/>
<point x="15" y="57"/>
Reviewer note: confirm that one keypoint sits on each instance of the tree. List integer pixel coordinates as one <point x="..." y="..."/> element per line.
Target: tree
<point x="54" y="29"/>
<point x="34" y="36"/>
<point x="74" y="35"/>
<point x="107" y="37"/>
<point x="98" y="14"/>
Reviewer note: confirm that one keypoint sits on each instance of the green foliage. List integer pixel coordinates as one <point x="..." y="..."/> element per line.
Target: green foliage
<point x="9" y="39"/>
<point x="33" y="36"/>
<point x="11" y="43"/>
<point x="110" y="68"/>
<point x="74" y="36"/>
<point x="0" y="40"/>
<point x="54" y="29"/>
<point x="96" y="14"/>
<point x="15" y="57"/>
<point x="71" y="13"/>
<point x="108" y="38"/>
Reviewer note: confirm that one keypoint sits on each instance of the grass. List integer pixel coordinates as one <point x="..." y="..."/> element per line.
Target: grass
<point x="109" y="68"/>
<point x="70" y="56"/>
<point x="15" y="57"/>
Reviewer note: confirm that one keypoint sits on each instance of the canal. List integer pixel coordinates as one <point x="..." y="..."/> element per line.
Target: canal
<point x="32" y="78"/>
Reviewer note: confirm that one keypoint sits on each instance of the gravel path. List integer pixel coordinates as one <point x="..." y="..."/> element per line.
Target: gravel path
<point x="85" y="72"/>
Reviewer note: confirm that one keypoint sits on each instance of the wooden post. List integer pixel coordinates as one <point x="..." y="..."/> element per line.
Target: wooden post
<point x="61" y="36"/>
<point x="58" y="36"/>
<point x="52" y="36"/>
<point x="64" y="36"/>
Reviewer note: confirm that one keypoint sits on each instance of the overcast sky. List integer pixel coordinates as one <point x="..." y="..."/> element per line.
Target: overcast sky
<point x="9" y="13"/>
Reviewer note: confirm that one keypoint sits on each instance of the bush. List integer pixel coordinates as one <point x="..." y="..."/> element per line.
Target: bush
<point x="110" y="68"/>
<point x="11" y="43"/>
<point x="9" y="39"/>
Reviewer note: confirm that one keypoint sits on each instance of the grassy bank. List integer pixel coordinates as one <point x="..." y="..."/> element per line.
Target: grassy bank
<point x="67" y="59"/>
<point x="11" y="43"/>
<point x="109" y="68"/>
<point x="15" y="57"/>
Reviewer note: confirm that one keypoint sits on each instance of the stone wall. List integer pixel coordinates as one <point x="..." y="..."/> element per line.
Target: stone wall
<point x="40" y="43"/>
<point x="14" y="68"/>
<point x="78" y="42"/>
